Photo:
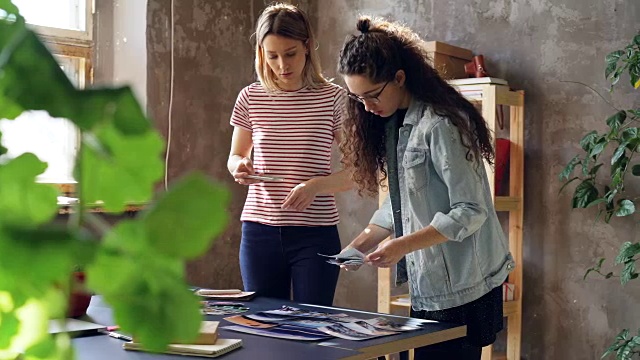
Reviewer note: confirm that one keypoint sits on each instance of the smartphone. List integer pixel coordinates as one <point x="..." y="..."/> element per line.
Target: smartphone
<point x="265" y="178"/>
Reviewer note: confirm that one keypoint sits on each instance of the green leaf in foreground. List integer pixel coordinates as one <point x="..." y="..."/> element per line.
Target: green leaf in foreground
<point x="40" y="257"/>
<point x="125" y="172"/>
<point x="191" y="223"/>
<point x="146" y="288"/>
<point x="22" y="200"/>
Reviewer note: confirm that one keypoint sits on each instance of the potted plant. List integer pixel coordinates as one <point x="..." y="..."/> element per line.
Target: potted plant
<point x="136" y="265"/>
<point x="79" y="295"/>
<point x="605" y="171"/>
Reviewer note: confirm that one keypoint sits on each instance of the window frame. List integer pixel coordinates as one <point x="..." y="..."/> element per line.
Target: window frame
<point x="69" y="36"/>
<point x="75" y="44"/>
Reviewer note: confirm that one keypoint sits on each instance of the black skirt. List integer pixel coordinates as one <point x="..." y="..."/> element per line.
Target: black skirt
<point x="483" y="317"/>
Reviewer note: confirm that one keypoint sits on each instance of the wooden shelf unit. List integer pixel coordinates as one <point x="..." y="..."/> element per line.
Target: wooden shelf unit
<point x="489" y="96"/>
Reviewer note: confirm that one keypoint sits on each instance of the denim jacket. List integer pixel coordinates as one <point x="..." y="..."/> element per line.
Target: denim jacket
<point x="441" y="188"/>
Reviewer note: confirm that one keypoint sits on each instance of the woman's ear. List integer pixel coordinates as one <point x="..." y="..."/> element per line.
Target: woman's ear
<point x="401" y="77"/>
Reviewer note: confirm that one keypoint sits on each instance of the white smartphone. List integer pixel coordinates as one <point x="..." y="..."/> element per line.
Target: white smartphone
<point x="265" y="178"/>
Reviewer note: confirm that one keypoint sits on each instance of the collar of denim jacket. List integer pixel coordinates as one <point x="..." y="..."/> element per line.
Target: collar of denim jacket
<point x="416" y="108"/>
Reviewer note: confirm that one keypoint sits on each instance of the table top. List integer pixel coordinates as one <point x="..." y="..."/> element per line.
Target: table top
<point x="102" y="347"/>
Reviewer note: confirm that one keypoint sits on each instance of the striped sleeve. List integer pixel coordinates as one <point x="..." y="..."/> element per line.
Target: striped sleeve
<point x="339" y="108"/>
<point x="240" y="115"/>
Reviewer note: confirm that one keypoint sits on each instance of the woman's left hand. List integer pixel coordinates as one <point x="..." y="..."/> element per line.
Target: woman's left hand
<point x="300" y="196"/>
<point x="387" y="254"/>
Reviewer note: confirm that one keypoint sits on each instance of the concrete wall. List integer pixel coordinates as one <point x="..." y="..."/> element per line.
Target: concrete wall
<point x="212" y="62"/>
<point x="533" y="44"/>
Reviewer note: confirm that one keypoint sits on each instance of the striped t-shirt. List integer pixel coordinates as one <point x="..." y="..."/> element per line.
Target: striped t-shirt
<point x="292" y="134"/>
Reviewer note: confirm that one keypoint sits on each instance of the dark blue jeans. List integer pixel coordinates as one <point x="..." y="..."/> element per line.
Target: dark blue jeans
<point x="273" y="259"/>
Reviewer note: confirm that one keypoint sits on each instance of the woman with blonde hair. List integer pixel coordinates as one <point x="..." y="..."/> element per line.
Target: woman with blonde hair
<point x="289" y="119"/>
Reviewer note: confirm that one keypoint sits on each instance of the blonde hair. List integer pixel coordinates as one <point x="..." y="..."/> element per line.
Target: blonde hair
<point x="288" y="21"/>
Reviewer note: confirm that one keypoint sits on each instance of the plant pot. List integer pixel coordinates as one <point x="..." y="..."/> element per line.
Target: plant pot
<point x="79" y="297"/>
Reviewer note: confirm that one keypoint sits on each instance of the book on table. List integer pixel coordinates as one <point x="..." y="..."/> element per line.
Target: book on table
<point x="221" y="347"/>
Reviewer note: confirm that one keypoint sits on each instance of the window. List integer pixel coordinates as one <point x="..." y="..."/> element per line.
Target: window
<point x="70" y="19"/>
<point x="65" y="26"/>
<point x="53" y="140"/>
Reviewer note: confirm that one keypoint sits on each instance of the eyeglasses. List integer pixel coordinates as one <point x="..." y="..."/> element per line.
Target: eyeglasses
<point x="371" y="98"/>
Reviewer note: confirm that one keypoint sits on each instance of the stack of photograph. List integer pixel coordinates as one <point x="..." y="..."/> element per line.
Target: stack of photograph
<point x="297" y="324"/>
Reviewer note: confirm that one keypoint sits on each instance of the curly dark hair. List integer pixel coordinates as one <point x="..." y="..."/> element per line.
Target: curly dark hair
<point x="378" y="53"/>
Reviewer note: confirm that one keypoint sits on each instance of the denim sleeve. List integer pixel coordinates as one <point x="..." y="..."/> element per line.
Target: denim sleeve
<point x="383" y="217"/>
<point x="464" y="181"/>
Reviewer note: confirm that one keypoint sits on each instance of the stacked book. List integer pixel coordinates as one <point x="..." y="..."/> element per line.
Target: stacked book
<point x="206" y="345"/>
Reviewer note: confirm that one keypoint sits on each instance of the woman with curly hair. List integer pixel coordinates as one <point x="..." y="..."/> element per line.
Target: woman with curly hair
<point x="407" y="125"/>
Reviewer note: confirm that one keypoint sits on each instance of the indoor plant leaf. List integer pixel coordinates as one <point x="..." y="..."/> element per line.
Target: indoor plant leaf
<point x="627" y="251"/>
<point x="3" y="150"/>
<point x="118" y="260"/>
<point x="597" y="149"/>
<point x="584" y="194"/>
<point x="626" y="208"/>
<point x="635" y="80"/>
<point x="629" y="134"/>
<point x="176" y="311"/>
<point x="588" y="140"/>
<point x="38" y="257"/>
<point x="619" y="153"/>
<point x="628" y="272"/>
<point x="9" y="109"/>
<point x="157" y="297"/>
<point x="117" y="105"/>
<point x="43" y="85"/>
<point x="126" y="174"/>
<point x="8" y="6"/>
<point x="613" y="56"/>
<point x="22" y="200"/>
<point x="611" y="67"/>
<point x="120" y="161"/>
<point x="9" y="328"/>
<point x="50" y="348"/>
<point x="616" y="120"/>
<point x="193" y="223"/>
<point x="566" y="172"/>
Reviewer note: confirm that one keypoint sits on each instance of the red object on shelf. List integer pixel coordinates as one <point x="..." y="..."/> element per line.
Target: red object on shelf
<point x="476" y="67"/>
<point x="79" y="298"/>
<point x="503" y="147"/>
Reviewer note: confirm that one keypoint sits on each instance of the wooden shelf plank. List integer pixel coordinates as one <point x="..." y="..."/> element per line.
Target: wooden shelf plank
<point x="507" y="203"/>
<point x="498" y="356"/>
<point x="504" y="96"/>
<point x="509" y="307"/>
<point x="401" y="301"/>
